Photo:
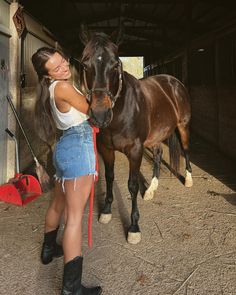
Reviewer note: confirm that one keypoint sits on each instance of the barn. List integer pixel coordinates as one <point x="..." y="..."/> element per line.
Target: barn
<point x="193" y="40"/>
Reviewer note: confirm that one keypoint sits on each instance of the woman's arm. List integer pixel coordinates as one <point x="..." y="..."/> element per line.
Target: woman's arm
<point x="66" y="96"/>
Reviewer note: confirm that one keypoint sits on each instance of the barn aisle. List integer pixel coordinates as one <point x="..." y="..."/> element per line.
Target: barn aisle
<point x="188" y="236"/>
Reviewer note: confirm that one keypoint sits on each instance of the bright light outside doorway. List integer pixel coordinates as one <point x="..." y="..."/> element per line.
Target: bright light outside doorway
<point x="133" y="65"/>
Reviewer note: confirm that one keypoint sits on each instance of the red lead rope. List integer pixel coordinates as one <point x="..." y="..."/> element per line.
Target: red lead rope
<point x="90" y="218"/>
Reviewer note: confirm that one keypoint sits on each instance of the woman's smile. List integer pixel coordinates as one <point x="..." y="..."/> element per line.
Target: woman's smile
<point x="58" y="67"/>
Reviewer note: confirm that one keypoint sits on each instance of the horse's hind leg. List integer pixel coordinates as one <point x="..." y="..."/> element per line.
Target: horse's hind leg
<point x="109" y="160"/>
<point x="184" y="137"/>
<point x="157" y="156"/>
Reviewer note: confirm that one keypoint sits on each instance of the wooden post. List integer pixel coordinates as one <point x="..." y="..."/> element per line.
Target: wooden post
<point x="14" y="89"/>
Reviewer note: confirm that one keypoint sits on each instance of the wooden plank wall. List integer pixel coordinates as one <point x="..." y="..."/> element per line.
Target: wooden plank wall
<point x="209" y="72"/>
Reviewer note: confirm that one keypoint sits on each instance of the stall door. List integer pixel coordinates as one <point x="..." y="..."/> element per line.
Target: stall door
<point x="4" y="62"/>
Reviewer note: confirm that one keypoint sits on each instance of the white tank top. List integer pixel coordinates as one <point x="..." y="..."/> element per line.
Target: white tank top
<point x="66" y="120"/>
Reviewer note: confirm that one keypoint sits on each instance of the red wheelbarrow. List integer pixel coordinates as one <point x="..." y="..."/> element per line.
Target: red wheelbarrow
<point x="22" y="188"/>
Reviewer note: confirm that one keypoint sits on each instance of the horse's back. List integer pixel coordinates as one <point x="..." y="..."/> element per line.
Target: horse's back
<point x="167" y="84"/>
<point x="166" y="91"/>
<point x="168" y="105"/>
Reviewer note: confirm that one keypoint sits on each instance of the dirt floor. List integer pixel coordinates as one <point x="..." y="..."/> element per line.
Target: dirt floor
<point x="188" y="242"/>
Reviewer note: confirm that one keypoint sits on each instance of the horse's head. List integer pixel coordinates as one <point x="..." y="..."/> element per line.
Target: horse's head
<point x="102" y="77"/>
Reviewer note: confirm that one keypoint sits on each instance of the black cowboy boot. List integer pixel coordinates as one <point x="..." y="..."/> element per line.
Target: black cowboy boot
<point x="72" y="279"/>
<point x="50" y="248"/>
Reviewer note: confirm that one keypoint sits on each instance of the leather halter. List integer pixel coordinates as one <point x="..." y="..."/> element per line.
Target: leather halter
<point x="113" y="98"/>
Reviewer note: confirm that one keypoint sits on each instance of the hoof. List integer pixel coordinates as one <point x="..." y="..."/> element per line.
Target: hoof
<point x="188" y="179"/>
<point x="188" y="183"/>
<point x="105" y="218"/>
<point x="134" y="238"/>
<point x="148" y="195"/>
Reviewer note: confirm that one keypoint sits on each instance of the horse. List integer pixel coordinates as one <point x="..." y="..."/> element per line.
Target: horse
<point x="133" y="115"/>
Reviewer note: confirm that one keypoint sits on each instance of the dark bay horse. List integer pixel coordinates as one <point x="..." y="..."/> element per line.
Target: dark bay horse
<point x="133" y="114"/>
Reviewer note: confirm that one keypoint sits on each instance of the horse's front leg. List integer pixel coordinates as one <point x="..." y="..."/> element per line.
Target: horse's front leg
<point x="108" y="156"/>
<point x="135" y="159"/>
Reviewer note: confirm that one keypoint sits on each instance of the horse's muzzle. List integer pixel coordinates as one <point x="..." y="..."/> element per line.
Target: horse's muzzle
<point x="100" y="119"/>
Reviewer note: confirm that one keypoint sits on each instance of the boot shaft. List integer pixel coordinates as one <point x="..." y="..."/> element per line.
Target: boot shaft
<point x="50" y="237"/>
<point x="72" y="279"/>
<point x="50" y="248"/>
<point x="72" y="276"/>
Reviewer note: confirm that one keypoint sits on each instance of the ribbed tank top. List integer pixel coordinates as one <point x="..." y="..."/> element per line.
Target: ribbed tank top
<point x="66" y="120"/>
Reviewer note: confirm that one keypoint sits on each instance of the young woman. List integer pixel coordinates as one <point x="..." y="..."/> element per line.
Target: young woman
<point x="60" y="105"/>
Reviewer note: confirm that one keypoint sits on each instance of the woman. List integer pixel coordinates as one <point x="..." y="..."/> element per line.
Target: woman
<point x="61" y="105"/>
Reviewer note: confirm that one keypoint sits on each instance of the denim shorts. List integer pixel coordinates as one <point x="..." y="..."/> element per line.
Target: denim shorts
<point x="74" y="154"/>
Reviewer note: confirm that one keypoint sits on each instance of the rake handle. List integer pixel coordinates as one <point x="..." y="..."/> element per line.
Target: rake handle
<point x="21" y="127"/>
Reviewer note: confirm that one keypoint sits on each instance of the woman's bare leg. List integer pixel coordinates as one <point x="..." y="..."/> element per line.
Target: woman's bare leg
<point x="76" y="199"/>
<point x="56" y="208"/>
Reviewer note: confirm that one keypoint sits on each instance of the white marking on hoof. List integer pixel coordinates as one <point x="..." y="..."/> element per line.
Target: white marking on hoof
<point x="134" y="238"/>
<point x="149" y="194"/>
<point x="105" y="218"/>
<point x="188" y="179"/>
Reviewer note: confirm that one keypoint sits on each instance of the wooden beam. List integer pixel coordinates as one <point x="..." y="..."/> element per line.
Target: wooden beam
<point x="153" y="2"/>
<point x="226" y="3"/>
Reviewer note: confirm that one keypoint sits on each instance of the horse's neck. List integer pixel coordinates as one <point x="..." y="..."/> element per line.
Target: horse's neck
<point x="130" y="83"/>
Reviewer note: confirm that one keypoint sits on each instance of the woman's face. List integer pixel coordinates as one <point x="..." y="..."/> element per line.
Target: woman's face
<point x="58" y="67"/>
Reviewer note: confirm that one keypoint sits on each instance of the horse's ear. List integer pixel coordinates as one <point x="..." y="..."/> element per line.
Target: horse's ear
<point x="84" y="34"/>
<point x="117" y="35"/>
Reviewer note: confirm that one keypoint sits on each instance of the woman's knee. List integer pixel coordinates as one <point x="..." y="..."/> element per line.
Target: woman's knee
<point x="74" y="221"/>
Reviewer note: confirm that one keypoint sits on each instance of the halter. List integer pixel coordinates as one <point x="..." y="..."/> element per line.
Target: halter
<point x="89" y="92"/>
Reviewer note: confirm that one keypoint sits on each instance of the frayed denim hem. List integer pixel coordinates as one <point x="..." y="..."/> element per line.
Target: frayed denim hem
<point x="63" y="179"/>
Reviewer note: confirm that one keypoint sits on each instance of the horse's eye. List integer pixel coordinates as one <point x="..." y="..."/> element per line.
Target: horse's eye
<point x="116" y="66"/>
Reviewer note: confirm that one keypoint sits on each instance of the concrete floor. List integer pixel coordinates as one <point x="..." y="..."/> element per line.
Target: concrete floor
<point x="188" y="242"/>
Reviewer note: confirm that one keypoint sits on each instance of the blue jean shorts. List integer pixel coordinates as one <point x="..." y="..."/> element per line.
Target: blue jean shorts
<point x="74" y="154"/>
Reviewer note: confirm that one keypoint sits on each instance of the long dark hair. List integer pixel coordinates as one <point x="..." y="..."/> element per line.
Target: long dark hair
<point x="44" y="123"/>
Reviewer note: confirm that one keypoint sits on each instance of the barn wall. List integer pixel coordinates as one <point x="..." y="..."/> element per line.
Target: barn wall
<point x="226" y="90"/>
<point x="208" y="69"/>
<point x="9" y="51"/>
<point x="212" y="86"/>
<point x="4" y="85"/>
<point x="37" y="36"/>
<point x="203" y="93"/>
<point x="18" y="79"/>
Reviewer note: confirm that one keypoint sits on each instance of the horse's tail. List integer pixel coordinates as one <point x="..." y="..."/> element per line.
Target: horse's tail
<point x="174" y="152"/>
